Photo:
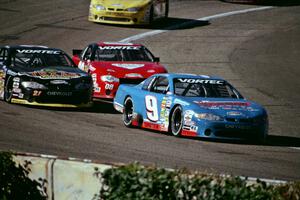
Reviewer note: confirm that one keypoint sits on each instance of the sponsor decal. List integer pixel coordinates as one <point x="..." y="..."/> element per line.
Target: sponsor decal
<point x="119" y="47"/>
<point x="16" y="84"/>
<point x="165" y="112"/>
<point x="16" y="79"/>
<point x="97" y="89"/>
<point x="188" y="116"/>
<point x="235" y="126"/>
<point x="54" y="74"/>
<point x="128" y="66"/>
<point x="2" y="78"/>
<point x="59" y="82"/>
<point x="31" y="51"/>
<point x="207" y="81"/>
<point x="234" y="113"/>
<point x="36" y="93"/>
<point x="55" y="93"/>
<point x="16" y="90"/>
<point x="21" y="95"/>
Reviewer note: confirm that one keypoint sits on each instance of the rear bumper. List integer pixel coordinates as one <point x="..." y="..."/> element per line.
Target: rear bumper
<point x="121" y="17"/>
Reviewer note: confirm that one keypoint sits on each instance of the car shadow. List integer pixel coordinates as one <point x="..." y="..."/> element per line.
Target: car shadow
<point x="170" y="23"/>
<point x="265" y="2"/>
<point x="101" y="107"/>
<point x="98" y="107"/>
<point x="272" y="140"/>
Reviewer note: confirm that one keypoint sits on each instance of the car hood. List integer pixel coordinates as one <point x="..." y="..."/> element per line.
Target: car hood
<point x="128" y="69"/>
<point x="122" y="4"/>
<point x="54" y="73"/>
<point x="235" y="108"/>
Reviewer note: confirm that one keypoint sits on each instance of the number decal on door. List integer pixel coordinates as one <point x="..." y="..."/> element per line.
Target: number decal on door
<point x="151" y="106"/>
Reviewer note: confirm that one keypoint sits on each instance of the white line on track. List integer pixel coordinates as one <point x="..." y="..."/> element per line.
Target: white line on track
<point x="173" y="27"/>
<point x="297" y="148"/>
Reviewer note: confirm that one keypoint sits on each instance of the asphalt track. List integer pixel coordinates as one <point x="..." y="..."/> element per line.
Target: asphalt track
<point x="258" y="52"/>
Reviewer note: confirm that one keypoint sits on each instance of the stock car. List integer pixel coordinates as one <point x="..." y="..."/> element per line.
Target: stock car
<point x="112" y="64"/>
<point x="38" y="75"/>
<point x="192" y="105"/>
<point x="128" y="12"/>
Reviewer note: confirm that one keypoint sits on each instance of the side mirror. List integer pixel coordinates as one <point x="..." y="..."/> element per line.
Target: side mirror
<point x="156" y="59"/>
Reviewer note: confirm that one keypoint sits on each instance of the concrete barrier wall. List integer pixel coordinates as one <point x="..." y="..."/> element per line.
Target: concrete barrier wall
<point x="66" y="178"/>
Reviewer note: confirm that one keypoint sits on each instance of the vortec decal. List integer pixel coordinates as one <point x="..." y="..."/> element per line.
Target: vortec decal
<point x="119" y="48"/>
<point x="30" y="51"/>
<point x="189" y="80"/>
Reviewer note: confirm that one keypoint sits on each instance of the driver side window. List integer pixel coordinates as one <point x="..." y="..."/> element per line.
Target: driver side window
<point x="88" y="54"/>
<point x="3" y="56"/>
<point x="160" y="85"/>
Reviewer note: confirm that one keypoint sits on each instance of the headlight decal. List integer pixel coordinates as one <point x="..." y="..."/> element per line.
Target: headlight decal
<point x="33" y="85"/>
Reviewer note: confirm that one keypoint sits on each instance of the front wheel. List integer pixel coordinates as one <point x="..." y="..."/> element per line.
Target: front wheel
<point x="128" y="112"/>
<point x="176" y="121"/>
<point x="8" y="92"/>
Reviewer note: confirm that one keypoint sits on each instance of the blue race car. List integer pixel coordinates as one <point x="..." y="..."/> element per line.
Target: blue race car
<point x="191" y="105"/>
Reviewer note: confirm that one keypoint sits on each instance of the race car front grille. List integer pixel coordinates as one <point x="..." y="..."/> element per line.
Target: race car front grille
<point x="131" y="81"/>
<point x="116" y="19"/>
<point x="243" y="120"/>
<point x="235" y="134"/>
<point x="115" y="9"/>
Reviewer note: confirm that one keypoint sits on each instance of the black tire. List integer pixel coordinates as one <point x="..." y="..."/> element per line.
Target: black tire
<point x="151" y="15"/>
<point x="167" y="9"/>
<point x="128" y="112"/>
<point x="176" y="121"/>
<point x="8" y="91"/>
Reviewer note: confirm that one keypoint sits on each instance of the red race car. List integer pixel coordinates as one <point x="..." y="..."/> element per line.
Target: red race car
<point x="112" y="64"/>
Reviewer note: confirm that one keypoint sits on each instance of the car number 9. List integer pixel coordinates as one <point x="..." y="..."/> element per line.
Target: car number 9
<point x="151" y="107"/>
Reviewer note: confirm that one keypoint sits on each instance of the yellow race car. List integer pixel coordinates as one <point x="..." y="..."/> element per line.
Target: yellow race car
<point x="128" y="12"/>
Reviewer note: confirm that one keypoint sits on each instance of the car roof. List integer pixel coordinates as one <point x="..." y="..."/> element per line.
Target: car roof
<point x="186" y="75"/>
<point x="29" y="47"/>
<point x="118" y="44"/>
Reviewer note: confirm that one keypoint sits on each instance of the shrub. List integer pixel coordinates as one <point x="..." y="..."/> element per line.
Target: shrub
<point x="14" y="181"/>
<point x="138" y="182"/>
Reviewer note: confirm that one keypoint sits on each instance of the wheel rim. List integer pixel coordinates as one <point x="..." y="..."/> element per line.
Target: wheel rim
<point x="176" y="121"/>
<point x="128" y="112"/>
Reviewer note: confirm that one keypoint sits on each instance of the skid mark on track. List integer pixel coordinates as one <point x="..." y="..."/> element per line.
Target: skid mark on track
<point x="190" y="23"/>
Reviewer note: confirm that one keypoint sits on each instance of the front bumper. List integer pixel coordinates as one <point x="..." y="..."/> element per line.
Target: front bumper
<point x="226" y="130"/>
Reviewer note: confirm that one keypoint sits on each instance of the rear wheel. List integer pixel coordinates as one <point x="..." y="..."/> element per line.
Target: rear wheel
<point x="8" y="91"/>
<point x="176" y="121"/>
<point x="128" y="112"/>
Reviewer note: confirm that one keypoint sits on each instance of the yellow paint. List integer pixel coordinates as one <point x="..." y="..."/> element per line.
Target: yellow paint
<point x="22" y="101"/>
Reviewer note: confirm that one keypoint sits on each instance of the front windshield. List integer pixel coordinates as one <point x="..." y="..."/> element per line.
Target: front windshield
<point x="123" y="53"/>
<point x="193" y="87"/>
<point x="34" y="58"/>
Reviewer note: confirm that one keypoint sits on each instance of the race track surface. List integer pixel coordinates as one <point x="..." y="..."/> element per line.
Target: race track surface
<point x="258" y="52"/>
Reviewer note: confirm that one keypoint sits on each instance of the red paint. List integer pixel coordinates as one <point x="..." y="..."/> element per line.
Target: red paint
<point x="188" y="133"/>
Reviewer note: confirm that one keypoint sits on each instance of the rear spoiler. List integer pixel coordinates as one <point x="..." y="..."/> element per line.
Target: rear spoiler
<point x="76" y="52"/>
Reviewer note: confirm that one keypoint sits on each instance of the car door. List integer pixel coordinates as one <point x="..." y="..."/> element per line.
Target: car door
<point x="155" y="103"/>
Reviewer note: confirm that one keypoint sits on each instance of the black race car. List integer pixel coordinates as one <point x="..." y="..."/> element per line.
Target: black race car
<point x="38" y="75"/>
